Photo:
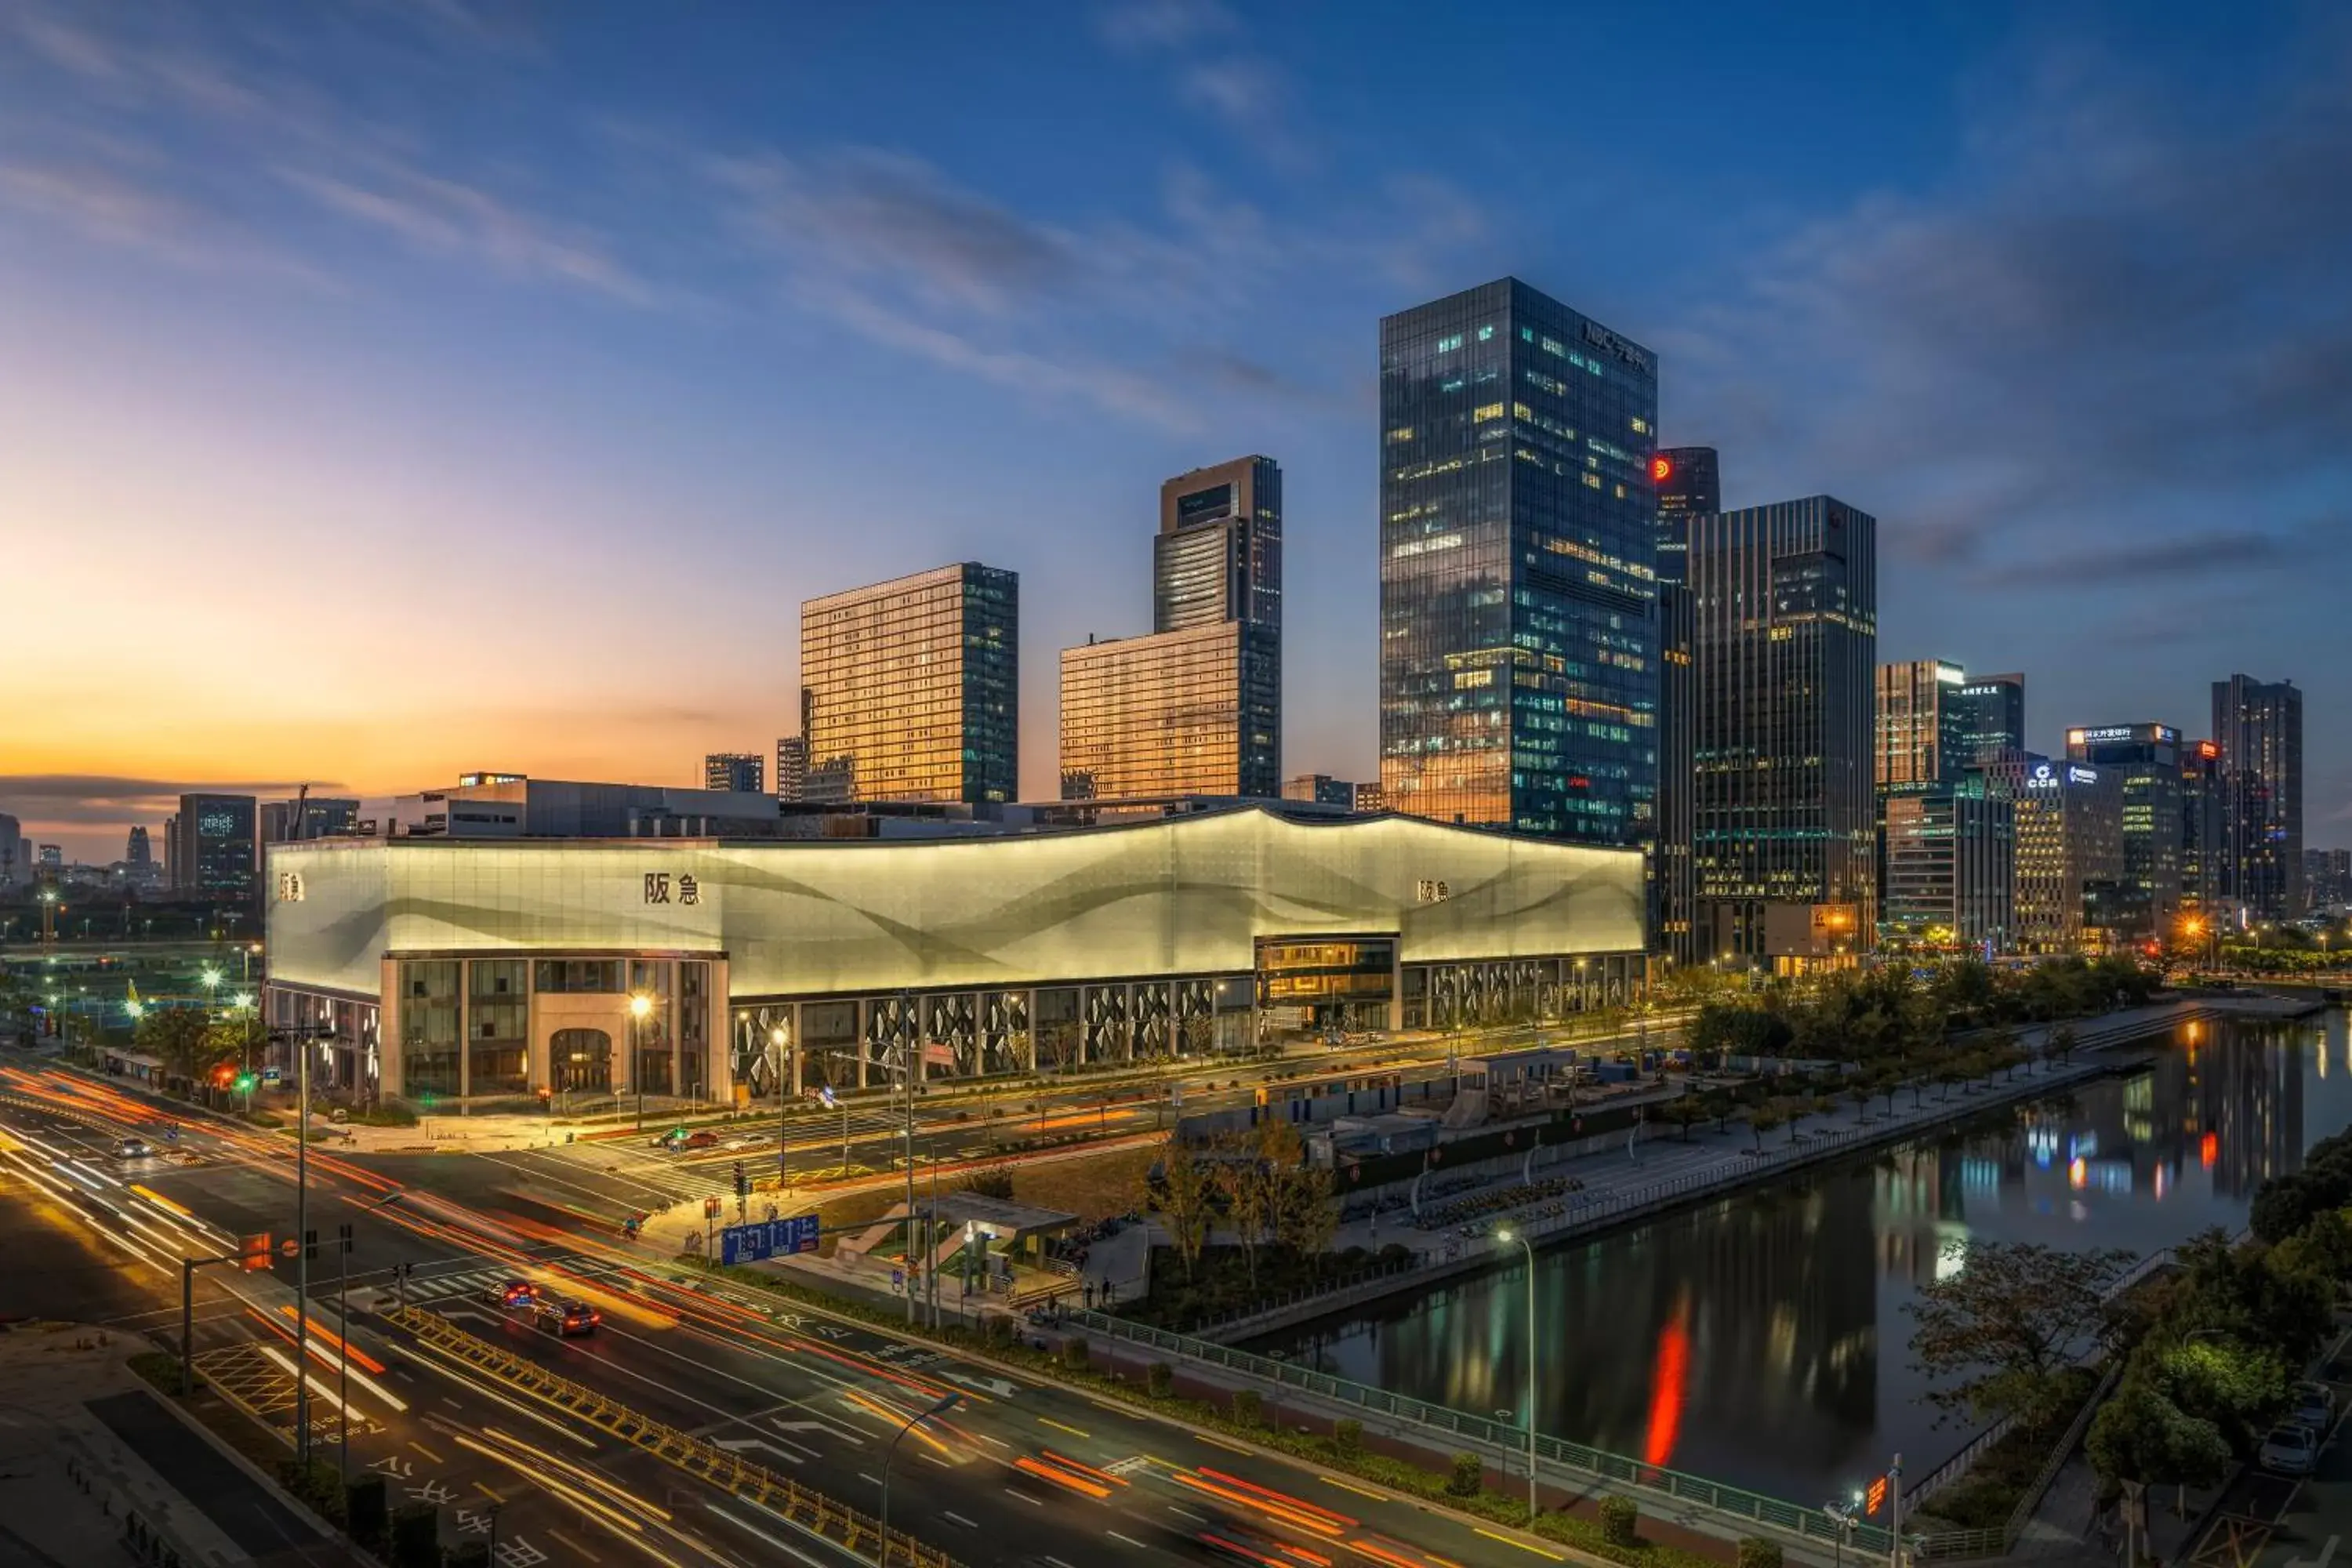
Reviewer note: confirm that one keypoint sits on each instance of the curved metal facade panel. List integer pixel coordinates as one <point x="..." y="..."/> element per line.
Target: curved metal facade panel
<point x="1189" y="896"/>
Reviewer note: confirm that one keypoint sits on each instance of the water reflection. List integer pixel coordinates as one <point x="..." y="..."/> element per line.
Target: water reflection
<point x="1761" y="1340"/>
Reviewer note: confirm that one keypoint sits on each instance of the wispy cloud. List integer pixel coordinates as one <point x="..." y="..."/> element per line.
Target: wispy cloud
<point x="2108" y="312"/>
<point x="114" y="209"/>
<point x="446" y="218"/>
<point x="1140" y="24"/>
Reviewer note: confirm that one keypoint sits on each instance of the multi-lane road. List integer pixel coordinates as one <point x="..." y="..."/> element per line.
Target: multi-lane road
<point x="1017" y="1473"/>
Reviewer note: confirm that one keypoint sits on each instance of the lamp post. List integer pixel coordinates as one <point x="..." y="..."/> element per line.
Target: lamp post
<point x="889" y="1456"/>
<point x="243" y="1001"/>
<point x="779" y="1041"/>
<point x="640" y="1005"/>
<point x="1509" y="1238"/>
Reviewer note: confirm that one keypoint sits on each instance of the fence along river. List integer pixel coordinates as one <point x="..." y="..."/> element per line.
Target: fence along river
<point x="1761" y="1339"/>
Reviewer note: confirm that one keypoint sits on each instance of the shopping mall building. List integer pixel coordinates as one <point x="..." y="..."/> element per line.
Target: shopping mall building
<point x="442" y="967"/>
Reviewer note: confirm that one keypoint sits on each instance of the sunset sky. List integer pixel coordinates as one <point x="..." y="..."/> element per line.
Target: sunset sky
<point x="388" y="390"/>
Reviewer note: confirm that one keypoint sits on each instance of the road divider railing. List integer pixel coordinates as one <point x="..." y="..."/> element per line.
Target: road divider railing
<point x="859" y="1533"/>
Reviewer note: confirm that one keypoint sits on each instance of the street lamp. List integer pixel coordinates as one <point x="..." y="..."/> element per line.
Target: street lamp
<point x="1843" y="1517"/>
<point x="779" y="1041"/>
<point x="945" y="1402"/>
<point x="1508" y="1236"/>
<point x="640" y="1005"/>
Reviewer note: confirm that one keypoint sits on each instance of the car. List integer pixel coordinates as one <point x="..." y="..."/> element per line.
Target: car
<point x="2290" y="1449"/>
<point x="746" y="1141"/>
<point x="564" y="1319"/>
<point x="2313" y="1406"/>
<point x="512" y="1293"/>
<point x="679" y="1138"/>
<point x="132" y="1149"/>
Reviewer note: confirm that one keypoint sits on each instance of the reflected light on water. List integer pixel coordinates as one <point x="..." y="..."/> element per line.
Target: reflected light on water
<point x="1666" y="1384"/>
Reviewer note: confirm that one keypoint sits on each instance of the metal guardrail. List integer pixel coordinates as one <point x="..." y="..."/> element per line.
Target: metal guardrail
<point x="1581" y="1459"/>
<point x="858" y="1534"/>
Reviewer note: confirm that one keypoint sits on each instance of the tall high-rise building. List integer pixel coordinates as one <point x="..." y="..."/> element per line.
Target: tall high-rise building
<point x="1518" y="544"/>
<point x="791" y="767"/>
<point x="1687" y="479"/>
<point x="910" y="689"/>
<point x="2070" y="855"/>
<point x="2259" y="724"/>
<point x="2327" y="880"/>
<point x="1673" y="879"/>
<point x="1785" y="605"/>
<point x="136" y="851"/>
<point x="52" y="856"/>
<point x="1992" y="718"/>
<point x="2204" y="827"/>
<point x="1951" y="862"/>
<point x="1195" y="708"/>
<point x="213" y="844"/>
<point x="16" y="860"/>
<point x="1946" y="778"/>
<point x="2148" y="757"/>
<point x="1922" y="725"/>
<point x="746" y="773"/>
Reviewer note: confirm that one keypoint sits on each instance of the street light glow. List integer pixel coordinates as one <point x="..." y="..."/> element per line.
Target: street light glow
<point x="640" y="1005"/>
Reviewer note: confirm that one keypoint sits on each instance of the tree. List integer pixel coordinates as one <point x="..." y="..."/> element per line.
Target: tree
<point x="1305" y="1218"/>
<point x="1684" y="1111"/>
<point x="1862" y="1091"/>
<point x="2239" y="1388"/>
<point x="1997" y="1328"/>
<point x="1250" y="1177"/>
<point x="2064" y="1039"/>
<point x="1763" y="1119"/>
<point x="2141" y="1437"/>
<point x="1187" y="1185"/>
<point x="181" y="1039"/>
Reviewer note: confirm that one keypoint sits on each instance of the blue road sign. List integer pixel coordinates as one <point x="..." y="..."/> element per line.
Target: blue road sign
<point x="767" y="1238"/>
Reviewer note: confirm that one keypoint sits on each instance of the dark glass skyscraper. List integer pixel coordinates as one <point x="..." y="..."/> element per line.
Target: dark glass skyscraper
<point x="1518" y="522"/>
<point x="2149" y="758"/>
<point x="1993" y="718"/>
<point x="1785" y="601"/>
<point x="2259" y="724"/>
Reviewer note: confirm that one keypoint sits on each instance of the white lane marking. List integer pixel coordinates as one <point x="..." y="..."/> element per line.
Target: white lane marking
<point x="1188" y="1513"/>
<point x="968" y="1524"/>
<point x="1024" y="1497"/>
<point x="1115" y="1535"/>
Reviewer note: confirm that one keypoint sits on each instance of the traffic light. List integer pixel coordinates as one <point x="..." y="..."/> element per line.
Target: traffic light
<point x="253" y="1253"/>
<point x="244" y="1081"/>
<point x="742" y="1182"/>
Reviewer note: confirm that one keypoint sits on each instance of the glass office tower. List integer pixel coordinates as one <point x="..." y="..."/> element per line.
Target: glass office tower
<point x="1518" y="547"/>
<point x="2147" y="757"/>
<point x="1784" y="831"/>
<point x="2259" y="724"/>
<point x="911" y="688"/>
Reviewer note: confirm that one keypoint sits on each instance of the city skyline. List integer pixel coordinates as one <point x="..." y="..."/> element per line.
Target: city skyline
<point x="572" y="312"/>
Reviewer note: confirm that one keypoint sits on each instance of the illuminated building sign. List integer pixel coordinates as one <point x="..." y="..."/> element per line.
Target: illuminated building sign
<point x="2100" y="737"/>
<point x="1662" y="468"/>
<point x="2077" y="775"/>
<point x="1602" y="337"/>
<point x="1950" y="674"/>
<point x="2043" y="776"/>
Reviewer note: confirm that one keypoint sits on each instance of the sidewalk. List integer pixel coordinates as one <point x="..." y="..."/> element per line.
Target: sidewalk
<point x="86" y="1448"/>
<point x="1662" y="1155"/>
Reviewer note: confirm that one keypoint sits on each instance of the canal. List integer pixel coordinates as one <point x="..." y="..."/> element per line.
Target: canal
<point x="1762" y="1340"/>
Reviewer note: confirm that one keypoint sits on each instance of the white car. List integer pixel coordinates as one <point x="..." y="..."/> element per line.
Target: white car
<point x="2290" y="1449"/>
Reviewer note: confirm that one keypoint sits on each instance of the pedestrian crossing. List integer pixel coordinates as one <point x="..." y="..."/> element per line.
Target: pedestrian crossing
<point x="425" y="1289"/>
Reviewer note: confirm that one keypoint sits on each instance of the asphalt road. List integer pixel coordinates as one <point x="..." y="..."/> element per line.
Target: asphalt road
<point x="1019" y="1474"/>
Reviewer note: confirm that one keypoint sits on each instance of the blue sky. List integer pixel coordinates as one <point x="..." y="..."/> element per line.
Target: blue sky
<point x="399" y="388"/>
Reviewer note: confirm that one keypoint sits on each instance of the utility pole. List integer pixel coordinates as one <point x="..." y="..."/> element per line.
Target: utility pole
<point x="302" y="1253"/>
<point x="343" y="1350"/>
